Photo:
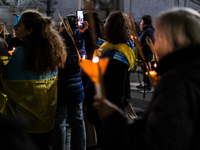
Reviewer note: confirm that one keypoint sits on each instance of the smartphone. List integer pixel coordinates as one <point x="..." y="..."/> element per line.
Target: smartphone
<point x="80" y="18"/>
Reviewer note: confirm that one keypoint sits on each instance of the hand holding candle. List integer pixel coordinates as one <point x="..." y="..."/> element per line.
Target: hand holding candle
<point x="11" y="52"/>
<point x="153" y="77"/>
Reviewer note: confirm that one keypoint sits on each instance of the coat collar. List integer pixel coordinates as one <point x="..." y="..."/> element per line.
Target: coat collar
<point x="176" y="58"/>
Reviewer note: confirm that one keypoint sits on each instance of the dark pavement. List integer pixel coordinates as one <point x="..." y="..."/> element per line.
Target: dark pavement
<point x="138" y="100"/>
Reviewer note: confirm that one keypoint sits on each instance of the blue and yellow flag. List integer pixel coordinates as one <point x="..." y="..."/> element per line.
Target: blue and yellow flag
<point x="34" y="100"/>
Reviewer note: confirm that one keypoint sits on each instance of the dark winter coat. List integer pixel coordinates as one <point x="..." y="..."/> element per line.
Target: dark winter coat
<point x="171" y="120"/>
<point x="70" y="87"/>
<point x="114" y="82"/>
<point x="147" y="32"/>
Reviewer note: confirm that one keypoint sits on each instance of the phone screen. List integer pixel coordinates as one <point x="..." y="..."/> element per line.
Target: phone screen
<point x="80" y="18"/>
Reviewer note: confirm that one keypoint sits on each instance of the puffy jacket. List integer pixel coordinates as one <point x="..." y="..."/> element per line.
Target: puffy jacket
<point x="147" y="31"/>
<point x="70" y="87"/>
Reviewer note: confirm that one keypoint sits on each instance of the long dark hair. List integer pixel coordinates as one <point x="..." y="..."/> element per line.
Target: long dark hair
<point x="45" y="48"/>
<point x="116" y="30"/>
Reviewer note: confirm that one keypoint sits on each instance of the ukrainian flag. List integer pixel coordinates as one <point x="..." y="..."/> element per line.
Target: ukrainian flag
<point x="34" y="100"/>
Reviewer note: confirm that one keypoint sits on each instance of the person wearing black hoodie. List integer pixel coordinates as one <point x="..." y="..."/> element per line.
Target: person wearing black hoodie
<point x="147" y="31"/>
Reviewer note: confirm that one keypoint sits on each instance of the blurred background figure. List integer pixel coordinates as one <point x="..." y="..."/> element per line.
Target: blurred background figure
<point x="4" y="33"/>
<point x="146" y="31"/>
<point x="14" y="42"/>
<point x="93" y="33"/>
<point x="3" y="47"/>
<point x="61" y="27"/>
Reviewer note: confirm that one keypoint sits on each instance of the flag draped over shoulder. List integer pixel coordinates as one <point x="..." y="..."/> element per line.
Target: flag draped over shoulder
<point x="34" y="100"/>
<point x="123" y="48"/>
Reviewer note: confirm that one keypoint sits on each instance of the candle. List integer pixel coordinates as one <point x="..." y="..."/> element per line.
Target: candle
<point x="83" y="57"/>
<point x="155" y="65"/>
<point x="98" y="87"/>
<point x="95" y="60"/>
<point x="95" y="69"/>
<point x="153" y="74"/>
<point x="13" y="48"/>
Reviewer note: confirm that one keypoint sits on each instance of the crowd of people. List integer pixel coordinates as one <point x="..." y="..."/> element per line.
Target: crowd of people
<point x="42" y="86"/>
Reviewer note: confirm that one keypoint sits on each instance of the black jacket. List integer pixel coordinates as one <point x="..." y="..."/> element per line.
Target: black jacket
<point x="147" y="31"/>
<point x="171" y="120"/>
<point x="70" y="87"/>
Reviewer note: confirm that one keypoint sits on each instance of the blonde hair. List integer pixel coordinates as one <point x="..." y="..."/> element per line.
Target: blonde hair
<point x="178" y="27"/>
<point x="3" y="31"/>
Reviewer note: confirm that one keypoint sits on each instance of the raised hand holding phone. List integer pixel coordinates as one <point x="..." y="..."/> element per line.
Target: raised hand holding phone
<point x="86" y="25"/>
<point x="80" y="18"/>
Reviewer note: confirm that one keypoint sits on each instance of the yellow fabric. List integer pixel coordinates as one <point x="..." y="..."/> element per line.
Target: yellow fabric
<point x="4" y="59"/>
<point x="138" y="62"/>
<point x="34" y="100"/>
<point x="123" y="48"/>
<point x="3" y="97"/>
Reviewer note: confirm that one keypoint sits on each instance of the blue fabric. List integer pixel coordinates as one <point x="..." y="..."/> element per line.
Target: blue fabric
<point x="75" y="118"/>
<point x="100" y="41"/>
<point x="16" y="20"/>
<point x="70" y="87"/>
<point x="14" y="68"/>
<point x="117" y="55"/>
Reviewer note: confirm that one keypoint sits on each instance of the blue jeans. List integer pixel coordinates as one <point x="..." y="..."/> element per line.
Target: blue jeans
<point x="74" y="113"/>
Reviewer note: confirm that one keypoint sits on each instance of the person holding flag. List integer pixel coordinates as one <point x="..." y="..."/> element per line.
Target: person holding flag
<point x="29" y="80"/>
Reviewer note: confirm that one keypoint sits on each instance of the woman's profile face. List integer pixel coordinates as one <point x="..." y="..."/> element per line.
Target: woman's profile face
<point x="20" y="30"/>
<point x="161" y="45"/>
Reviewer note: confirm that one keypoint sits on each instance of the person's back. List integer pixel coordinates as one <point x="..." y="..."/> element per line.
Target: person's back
<point x="119" y="50"/>
<point x="29" y="80"/>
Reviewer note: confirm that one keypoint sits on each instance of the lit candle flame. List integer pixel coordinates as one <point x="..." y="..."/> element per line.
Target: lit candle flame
<point x="13" y="48"/>
<point x="95" y="60"/>
<point x="83" y="57"/>
<point x="155" y="65"/>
